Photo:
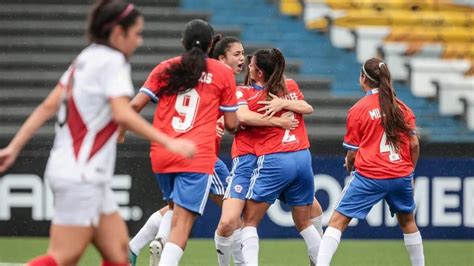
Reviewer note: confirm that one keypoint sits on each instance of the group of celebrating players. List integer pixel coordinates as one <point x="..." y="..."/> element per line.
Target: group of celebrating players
<point x="196" y="99"/>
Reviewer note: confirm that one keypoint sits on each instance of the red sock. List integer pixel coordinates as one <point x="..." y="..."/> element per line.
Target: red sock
<point x="108" y="263"/>
<point x="45" y="260"/>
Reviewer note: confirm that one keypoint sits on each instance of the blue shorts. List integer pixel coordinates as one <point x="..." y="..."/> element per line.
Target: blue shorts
<point x="361" y="193"/>
<point x="219" y="178"/>
<point x="243" y="167"/>
<point x="285" y="174"/>
<point x="188" y="190"/>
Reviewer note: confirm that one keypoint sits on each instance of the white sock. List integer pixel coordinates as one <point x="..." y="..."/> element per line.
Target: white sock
<point x="171" y="255"/>
<point x="318" y="224"/>
<point x="165" y="228"/>
<point x="313" y="240"/>
<point x="237" y="248"/>
<point x="328" y="247"/>
<point x="414" y="245"/>
<point x="250" y="245"/>
<point x="146" y="233"/>
<point x="223" y="248"/>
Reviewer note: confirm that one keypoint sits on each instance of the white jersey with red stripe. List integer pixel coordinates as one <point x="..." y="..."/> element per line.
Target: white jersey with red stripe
<point x="85" y="143"/>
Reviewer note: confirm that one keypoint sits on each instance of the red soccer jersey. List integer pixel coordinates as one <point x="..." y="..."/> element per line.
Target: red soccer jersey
<point x="192" y="115"/>
<point x="244" y="139"/>
<point x="375" y="157"/>
<point x="275" y="139"/>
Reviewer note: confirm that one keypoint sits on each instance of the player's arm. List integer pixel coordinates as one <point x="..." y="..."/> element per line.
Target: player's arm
<point x="277" y="104"/>
<point x="414" y="149"/>
<point x="45" y="111"/>
<point x="230" y="122"/>
<point x="250" y="118"/>
<point x="130" y="119"/>
<point x="143" y="97"/>
<point x="349" y="160"/>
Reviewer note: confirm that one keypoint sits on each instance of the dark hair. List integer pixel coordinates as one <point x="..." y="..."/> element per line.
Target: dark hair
<point x="223" y="45"/>
<point x="182" y="76"/>
<point x="105" y="15"/>
<point x="272" y="63"/>
<point x="247" y="79"/>
<point x="393" y="120"/>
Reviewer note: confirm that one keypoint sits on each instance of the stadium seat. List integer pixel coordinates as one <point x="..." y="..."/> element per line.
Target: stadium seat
<point x="450" y="93"/>
<point x="422" y="73"/>
<point x="469" y="112"/>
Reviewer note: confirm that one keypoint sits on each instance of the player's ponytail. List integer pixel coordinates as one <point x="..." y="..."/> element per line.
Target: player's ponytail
<point x="106" y="14"/>
<point x="393" y="120"/>
<point x="272" y="64"/>
<point x="182" y="76"/>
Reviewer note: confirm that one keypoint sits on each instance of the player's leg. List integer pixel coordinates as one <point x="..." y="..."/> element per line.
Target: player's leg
<point x="359" y="196"/>
<point x="190" y="194"/>
<point x="253" y="213"/>
<point x="66" y="245"/>
<point x="228" y="233"/>
<point x="299" y="195"/>
<point x="111" y="235"/>
<point x="401" y="201"/>
<point x="111" y="239"/>
<point x="76" y="210"/>
<point x="146" y="234"/>
<point x="317" y="216"/>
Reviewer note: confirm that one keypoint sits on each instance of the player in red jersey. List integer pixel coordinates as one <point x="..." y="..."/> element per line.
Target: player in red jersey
<point x="191" y="91"/>
<point x="383" y="150"/>
<point x="90" y="100"/>
<point x="284" y="162"/>
<point x="228" y="50"/>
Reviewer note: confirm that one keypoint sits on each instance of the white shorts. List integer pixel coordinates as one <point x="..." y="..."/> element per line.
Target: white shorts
<point x="81" y="204"/>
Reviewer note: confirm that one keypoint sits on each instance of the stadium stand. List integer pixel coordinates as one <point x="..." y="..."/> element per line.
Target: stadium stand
<point x="319" y="57"/>
<point x="38" y="42"/>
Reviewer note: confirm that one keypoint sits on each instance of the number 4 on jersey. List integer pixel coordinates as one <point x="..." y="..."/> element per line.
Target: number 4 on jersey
<point x="387" y="147"/>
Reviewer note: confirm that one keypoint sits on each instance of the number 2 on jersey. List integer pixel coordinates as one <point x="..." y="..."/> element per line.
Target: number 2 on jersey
<point x="386" y="146"/>
<point x="186" y="105"/>
<point x="288" y="137"/>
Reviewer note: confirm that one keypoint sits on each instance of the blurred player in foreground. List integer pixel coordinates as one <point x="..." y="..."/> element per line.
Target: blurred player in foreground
<point x="90" y="100"/>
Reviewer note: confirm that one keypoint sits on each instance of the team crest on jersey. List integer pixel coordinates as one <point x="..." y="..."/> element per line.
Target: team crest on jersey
<point x="238" y="188"/>
<point x="239" y="94"/>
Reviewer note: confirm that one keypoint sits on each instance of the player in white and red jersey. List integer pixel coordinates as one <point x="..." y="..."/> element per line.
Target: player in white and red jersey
<point x="284" y="162"/>
<point x="92" y="98"/>
<point x="383" y="150"/>
<point x="191" y="91"/>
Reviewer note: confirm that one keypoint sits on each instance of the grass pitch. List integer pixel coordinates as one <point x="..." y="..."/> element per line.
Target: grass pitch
<point x="275" y="252"/>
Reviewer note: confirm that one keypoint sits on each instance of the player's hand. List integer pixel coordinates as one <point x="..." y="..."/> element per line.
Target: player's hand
<point x="183" y="147"/>
<point x="288" y="121"/>
<point x="7" y="158"/>
<point x="121" y="136"/>
<point x="349" y="167"/>
<point x="272" y="107"/>
<point x="220" y="127"/>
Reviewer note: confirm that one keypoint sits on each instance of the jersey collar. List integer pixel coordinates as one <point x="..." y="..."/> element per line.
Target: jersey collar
<point x="372" y="91"/>
<point x="257" y="87"/>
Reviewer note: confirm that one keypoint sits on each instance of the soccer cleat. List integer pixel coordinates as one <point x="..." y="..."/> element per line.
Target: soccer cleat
<point x="156" y="247"/>
<point x="132" y="258"/>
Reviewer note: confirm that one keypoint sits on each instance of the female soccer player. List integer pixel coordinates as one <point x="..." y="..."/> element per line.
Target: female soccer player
<point x="92" y="97"/>
<point x="191" y="91"/>
<point x="284" y="162"/>
<point x="230" y="51"/>
<point x="382" y="152"/>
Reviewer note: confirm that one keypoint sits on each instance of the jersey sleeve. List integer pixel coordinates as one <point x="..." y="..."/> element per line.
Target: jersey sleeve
<point x="411" y="121"/>
<point x="352" y="137"/>
<point x="117" y="80"/>
<point x="63" y="81"/>
<point x="154" y="83"/>
<point x="228" y="101"/>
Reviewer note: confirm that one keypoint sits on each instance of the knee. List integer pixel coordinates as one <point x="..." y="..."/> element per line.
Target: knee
<point x="227" y="226"/>
<point x="302" y="224"/>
